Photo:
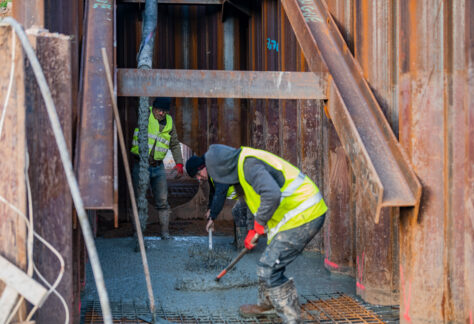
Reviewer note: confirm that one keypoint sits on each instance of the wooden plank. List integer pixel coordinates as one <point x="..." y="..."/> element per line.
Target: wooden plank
<point x="12" y="151"/>
<point x="7" y="302"/>
<point x="51" y="198"/>
<point x="15" y="278"/>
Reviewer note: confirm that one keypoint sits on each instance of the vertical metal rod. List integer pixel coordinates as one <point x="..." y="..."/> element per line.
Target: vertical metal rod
<point x="126" y="165"/>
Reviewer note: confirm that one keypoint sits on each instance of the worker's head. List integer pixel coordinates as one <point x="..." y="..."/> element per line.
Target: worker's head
<point x="196" y="167"/>
<point x="161" y="106"/>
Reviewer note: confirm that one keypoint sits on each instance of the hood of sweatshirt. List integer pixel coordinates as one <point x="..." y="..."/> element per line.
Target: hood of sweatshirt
<point x="221" y="163"/>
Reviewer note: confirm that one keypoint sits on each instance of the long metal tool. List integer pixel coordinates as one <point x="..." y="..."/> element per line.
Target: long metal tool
<point x="129" y="183"/>
<point x="210" y="239"/>
<point x="237" y="259"/>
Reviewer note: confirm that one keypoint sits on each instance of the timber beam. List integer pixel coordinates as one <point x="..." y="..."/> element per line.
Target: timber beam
<point x="221" y="84"/>
<point x="375" y="154"/>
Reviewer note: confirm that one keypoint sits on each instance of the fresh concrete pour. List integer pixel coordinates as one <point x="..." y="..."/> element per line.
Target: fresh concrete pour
<point x="183" y="271"/>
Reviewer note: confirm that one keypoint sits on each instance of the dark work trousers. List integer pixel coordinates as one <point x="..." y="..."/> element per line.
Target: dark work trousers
<point x="283" y="249"/>
<point x="242" y="215"/>
<point x="158" y="184"/>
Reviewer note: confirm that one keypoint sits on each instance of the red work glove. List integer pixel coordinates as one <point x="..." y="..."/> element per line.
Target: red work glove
<point x="258" y="229"/>
<point x="179" y="168"/>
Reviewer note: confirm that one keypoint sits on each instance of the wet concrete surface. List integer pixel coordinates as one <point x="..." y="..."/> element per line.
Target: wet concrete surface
<point x="181" y="286"/>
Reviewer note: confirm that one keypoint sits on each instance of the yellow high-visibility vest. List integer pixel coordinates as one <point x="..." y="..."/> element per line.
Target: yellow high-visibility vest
<point x="231" y="193"/>
<point x="301" y="200"/>
<point x="162" y="138"/>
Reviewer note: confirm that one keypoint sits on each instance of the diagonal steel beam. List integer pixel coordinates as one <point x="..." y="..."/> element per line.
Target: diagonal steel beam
<point x="375" y="154"/>
<point x="221" y="84"/>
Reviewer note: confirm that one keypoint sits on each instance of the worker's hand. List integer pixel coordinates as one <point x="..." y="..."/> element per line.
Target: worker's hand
<point x="210" y="225"/>
<point x="248" y="240"/>
<point x="258" y="228"/>
<point x="179" y="168"/>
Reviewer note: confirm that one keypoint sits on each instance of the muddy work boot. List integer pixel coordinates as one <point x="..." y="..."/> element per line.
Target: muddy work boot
<point x="240" y="234"/>
<point x="164" y="216"/>
<point x="285" y="300"/>
<point x="263" y="306"/>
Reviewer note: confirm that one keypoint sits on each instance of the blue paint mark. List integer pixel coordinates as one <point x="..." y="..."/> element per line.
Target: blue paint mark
<point x="272" y="44"/>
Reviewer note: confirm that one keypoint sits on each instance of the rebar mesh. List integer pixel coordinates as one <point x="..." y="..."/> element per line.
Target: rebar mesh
<point x="328" y="308"/>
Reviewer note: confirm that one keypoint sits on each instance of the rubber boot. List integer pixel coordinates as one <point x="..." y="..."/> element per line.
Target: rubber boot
<point x="240" y="234"/>
<point x="285" y="300"/>
<point x="263" y="306"/>
<point x="164" y="216"/>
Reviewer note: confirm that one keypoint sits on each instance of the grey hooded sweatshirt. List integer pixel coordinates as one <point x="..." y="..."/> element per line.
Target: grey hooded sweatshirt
<point x="221" y="164"/>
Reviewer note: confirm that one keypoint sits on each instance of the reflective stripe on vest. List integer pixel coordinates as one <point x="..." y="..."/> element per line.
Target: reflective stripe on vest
<point x="292" y="213"/>
<point x="295" y="184"/>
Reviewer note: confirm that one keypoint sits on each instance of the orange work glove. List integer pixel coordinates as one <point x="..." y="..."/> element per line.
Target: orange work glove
<point x="179" y="168"/>
<point x="258" y="229"/>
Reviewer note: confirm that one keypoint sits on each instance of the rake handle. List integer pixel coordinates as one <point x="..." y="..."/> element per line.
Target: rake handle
<point x="237" y="259"/>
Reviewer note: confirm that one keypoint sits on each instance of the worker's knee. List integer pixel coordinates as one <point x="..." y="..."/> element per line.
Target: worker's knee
<point x="264" y="274"/>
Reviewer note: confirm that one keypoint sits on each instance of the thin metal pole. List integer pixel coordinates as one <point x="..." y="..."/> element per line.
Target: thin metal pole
<point x="126" y="165"/>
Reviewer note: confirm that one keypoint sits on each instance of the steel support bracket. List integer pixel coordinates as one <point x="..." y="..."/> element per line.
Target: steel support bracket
<point x="376" y="156"/>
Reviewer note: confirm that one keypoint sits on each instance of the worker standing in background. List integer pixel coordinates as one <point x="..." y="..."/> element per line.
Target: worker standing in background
<point x="218" y="193"/>
<point x="287" y="206"/>
<point x="162" y="136"/>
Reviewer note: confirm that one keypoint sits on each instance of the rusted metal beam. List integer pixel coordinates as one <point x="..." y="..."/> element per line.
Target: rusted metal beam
<point x="96" y="134"/>
<point x="375" y="154"/>
<point x="221" y="84"/>
<point x="179" y="2"/>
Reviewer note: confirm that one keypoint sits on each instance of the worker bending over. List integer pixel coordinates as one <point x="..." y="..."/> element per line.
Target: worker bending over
<point x="218" y="193"/>
<point x="287" y="206"/>
<point x="162" y="136"/>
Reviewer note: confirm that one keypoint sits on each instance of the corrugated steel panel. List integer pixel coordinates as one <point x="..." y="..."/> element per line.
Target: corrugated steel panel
<point x="378" y="243"/>
<point x="338" y="175"/>
<point x="436" y="127"/>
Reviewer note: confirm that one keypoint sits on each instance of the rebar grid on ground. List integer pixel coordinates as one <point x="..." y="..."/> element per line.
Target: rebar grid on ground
<point x="325" y="308"/>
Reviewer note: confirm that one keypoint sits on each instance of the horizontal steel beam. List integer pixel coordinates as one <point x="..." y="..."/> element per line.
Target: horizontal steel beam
<point x="375" y="154"/>
<point x="221" y="84"/>
<point x="180" y="2"/>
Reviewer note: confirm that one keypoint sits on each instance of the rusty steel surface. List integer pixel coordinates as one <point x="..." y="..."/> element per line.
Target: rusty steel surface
<point x="436" y="115"/>
<point x="29" y="13"/>
<point x="95" y="167"/>
<point x="367" y="137"/>
<point x="221" y="84"/>
<point x="339" y="233"/>
<point x="51" y="199"/>
<point x="373" y="49"/>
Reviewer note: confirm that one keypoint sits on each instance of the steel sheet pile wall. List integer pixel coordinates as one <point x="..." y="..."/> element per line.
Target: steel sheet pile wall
<point x="436" y="128"/>
<point x="190" y="37"/>
<point x="377" y="244"/>
<point x="292" y="129"/>
<point x="338" y="176"/>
